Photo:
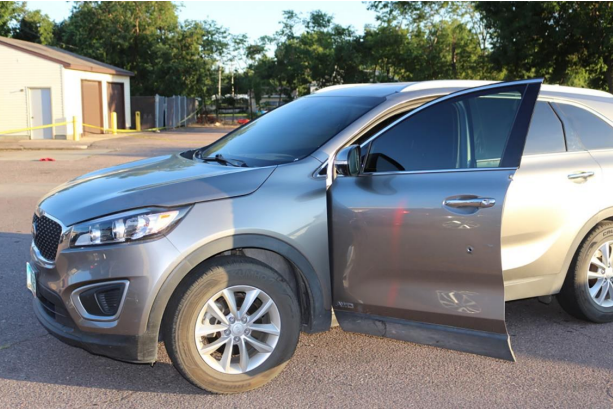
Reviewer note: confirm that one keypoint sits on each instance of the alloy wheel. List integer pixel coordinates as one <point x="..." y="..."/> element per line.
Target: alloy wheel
<point x="237" y="329"/>
<point x="600" y="276"/>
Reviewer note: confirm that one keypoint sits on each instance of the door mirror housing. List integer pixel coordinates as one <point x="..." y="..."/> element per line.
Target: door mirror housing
<point x="347" y="161"/>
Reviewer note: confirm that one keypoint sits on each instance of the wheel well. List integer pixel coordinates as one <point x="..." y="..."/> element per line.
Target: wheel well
<point x="288" y="270"/>
<point x="577" y="247"/>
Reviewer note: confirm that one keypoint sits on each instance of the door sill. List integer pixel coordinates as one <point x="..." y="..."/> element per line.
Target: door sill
<point x="491" y="344"/>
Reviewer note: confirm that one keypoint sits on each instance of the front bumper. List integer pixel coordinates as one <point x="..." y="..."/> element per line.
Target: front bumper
<point x="129" y="348"/>
<point x="144" y="265"/>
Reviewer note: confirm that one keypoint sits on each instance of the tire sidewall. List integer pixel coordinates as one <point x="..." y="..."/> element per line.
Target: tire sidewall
<point x="214" y="281"/>
<point x="587" y="304"/>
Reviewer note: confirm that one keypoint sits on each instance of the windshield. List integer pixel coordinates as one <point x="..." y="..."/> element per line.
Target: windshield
<point x="290" y="132"/>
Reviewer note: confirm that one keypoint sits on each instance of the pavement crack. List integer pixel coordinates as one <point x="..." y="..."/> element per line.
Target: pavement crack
<point x="115" y="400"/>
<point x="23" y="341"/>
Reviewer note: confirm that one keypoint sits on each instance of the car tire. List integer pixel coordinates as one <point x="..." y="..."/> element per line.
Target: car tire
<point x="575" y="297"/>
<point x="193" y="298"/>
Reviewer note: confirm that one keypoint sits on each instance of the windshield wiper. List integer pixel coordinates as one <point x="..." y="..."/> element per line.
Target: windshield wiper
<point x="224" y="161"/>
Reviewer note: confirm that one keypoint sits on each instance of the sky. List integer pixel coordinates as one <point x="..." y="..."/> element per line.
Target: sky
<point x="254" y="18"/>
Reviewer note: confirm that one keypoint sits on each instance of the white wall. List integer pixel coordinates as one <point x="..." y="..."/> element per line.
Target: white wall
<point x="72" y="92"/>
<point x="18" y="72"/>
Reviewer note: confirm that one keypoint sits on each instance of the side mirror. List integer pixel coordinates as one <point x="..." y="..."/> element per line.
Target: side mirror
<point x="347" y="161"/>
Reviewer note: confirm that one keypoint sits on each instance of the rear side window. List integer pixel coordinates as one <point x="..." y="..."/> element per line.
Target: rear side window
<point x="546" y="134"/>
<point x="585" y="126"/>
<point x="466" y="132"/>
<point x="491" y="118"/>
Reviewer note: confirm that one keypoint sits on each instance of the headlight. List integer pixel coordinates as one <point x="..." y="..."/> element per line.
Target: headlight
<point x="127" y="226"/>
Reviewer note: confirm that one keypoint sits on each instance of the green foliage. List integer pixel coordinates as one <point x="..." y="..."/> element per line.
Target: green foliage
<point x="35" y="27"/>
<point x="132" y="35"/>
<point x="565" y="42"/>
<point x="10" y="12"/>
<point x="427" y="40"/>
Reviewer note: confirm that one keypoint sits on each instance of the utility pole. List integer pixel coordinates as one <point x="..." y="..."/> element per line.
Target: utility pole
<point x="219" y="82"/>
<point x="233" y="100"/>
<point x="218" y="104"/>
<point x="232" y="81"/>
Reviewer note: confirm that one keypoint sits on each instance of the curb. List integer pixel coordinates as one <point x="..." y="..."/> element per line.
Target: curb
<point x="17" y="147"/>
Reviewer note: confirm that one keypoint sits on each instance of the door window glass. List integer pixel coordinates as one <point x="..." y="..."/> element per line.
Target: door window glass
<point x="546" y="134"/>
<point x="585" y="126"/>
<point x="465" y="132"/>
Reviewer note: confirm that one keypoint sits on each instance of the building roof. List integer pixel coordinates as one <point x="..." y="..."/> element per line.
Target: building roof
<point x="69" y="60"/>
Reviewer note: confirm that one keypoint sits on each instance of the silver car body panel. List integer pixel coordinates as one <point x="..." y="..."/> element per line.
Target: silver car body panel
<point x="546" y="213"/>
<point x="285" y="208"/>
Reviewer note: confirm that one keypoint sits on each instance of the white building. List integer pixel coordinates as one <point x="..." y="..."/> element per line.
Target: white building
<point x="40" y="85"/>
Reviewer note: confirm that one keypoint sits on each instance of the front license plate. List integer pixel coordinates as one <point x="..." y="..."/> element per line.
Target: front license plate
<point x="31" y="278"/>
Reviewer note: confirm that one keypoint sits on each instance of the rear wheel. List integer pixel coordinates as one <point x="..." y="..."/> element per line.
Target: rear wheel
<point x="588" y="290"/>
<point x="232" y="326"/>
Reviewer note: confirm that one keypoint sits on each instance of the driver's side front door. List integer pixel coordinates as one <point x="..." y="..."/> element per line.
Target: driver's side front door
<point x="415" y="236"/>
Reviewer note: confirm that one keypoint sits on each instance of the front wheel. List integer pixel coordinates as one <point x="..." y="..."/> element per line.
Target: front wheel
<point x="232" y="326"/>
<point x="588" y="290"/>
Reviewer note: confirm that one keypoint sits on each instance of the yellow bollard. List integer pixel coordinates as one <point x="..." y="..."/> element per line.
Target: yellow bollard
<point x="114" y="122"/>
<point x="137" y="120"/>
<point x="75" y="133"/>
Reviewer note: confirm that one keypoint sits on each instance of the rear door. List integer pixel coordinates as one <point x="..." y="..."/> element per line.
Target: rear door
<point x="415" y="238"/>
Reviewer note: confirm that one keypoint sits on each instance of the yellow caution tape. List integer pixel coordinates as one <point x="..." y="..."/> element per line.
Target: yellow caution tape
<point x="98" y="127"/>
<point x="33" y="128"/>
<point x="143" y="130"/>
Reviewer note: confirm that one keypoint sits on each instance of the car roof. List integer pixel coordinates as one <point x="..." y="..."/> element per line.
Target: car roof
<point x="387" y="89"/>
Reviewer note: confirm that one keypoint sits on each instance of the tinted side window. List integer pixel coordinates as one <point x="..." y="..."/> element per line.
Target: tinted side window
<point x="467" y="132"/>
<point x="491" y="118"/>
<point x="546" y="134"/>
<point x="582" y="124"/>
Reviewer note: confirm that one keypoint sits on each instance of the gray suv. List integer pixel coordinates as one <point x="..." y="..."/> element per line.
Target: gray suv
<point x="415" y="210"/>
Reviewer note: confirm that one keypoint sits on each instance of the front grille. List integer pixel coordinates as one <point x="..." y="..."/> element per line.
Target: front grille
<point x="46" y="234"/>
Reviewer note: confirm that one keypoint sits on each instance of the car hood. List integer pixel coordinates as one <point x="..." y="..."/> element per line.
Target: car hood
<point x="161" y="181"/>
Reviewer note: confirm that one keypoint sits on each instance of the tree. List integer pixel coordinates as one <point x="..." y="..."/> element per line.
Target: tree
<point x="592" y="26"/>
<point x="132" y="35"/>
<point x="427" y="40"/>
<point x="10" y="12"/>
<point x="313" y="50"/>
<point x="35" y="27"/>
<point x="565" y="42"/>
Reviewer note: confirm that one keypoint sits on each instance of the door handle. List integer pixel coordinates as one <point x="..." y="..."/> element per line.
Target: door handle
<point x="473" y="202"/>
<point x="580" y="175"/>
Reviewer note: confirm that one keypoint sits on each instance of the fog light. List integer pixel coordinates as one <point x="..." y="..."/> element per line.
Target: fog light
<point x="100" y="302"/>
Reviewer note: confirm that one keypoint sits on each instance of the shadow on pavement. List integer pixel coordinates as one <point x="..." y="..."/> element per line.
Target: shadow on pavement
<point x="28" y="354"/>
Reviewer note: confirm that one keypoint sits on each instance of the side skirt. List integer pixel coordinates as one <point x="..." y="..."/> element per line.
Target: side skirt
<point x="490" y="344"/>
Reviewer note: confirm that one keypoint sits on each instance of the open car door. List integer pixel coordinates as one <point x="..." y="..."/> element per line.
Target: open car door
<point x="416" y="227"/>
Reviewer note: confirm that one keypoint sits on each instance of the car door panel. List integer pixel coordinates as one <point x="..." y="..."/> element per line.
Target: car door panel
<point x="416" y="255"/>
<point x="446" y="249"/>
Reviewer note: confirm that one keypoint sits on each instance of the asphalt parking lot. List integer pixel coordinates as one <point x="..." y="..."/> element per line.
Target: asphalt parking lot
<point x="561" y="362"/>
